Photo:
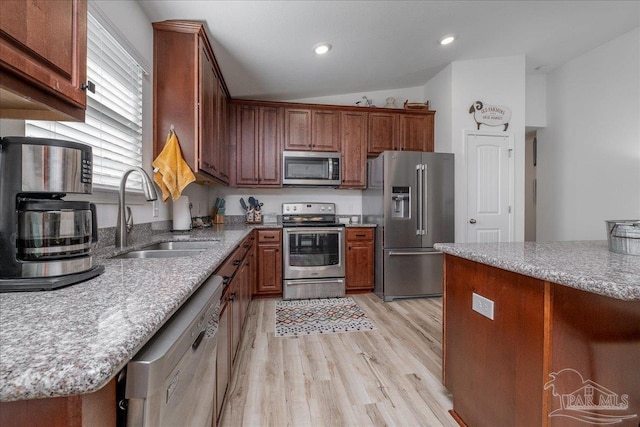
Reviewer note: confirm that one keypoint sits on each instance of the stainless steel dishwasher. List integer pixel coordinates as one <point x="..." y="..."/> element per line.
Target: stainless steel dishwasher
<point x="172" y="380"/>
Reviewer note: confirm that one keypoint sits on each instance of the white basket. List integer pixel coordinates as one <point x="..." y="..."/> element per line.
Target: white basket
<point x="624" y="236"/>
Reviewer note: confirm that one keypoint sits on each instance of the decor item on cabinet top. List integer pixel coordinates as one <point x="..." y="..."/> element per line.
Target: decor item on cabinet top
<point x="390" y="102"/>
<point x="416" y="105"/>
<point x="490" y="115"/>
<point x="171" y="172"/>
<point x="367" y="102"/>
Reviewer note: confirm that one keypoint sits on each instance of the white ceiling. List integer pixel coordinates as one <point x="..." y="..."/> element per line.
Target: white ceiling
<point x="264" y="48"/>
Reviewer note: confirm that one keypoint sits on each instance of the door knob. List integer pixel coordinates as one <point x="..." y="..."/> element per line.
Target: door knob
<point x="472" y="221"/>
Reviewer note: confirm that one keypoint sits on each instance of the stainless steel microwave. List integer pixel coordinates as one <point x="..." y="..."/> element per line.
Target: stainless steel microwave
<point x="311" y="168"/>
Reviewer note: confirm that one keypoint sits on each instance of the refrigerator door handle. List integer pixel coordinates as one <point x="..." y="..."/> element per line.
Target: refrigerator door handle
<point x="419" y="204"/>
<point x="414" y="253"/>
<point x="425" y="199"/>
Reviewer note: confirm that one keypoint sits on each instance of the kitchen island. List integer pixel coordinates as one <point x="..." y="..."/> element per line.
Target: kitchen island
<point x="542" y="333"/>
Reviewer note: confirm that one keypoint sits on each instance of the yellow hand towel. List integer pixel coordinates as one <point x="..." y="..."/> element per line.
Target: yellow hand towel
<point x="172" y="173"/>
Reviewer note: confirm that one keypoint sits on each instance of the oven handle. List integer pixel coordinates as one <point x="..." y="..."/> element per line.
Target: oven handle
<point x="294" y="282"/>
<point x="318" y="230"/>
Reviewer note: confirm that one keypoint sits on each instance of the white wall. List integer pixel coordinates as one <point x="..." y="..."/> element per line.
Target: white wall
<point x="493" y="81"/>
<point x="413" y="94"/>
<point x="438" y="91"/>
<point x="536" y="100"/>
<point x="589" y="154"/>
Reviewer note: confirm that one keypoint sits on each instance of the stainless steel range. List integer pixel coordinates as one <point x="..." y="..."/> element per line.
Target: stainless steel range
<point x="313" y="251"/>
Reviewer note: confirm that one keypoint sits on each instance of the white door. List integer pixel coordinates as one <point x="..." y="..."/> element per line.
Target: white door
<point x="489" y="216"/>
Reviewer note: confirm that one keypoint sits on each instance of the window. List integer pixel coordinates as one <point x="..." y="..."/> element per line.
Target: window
<point x="113" y="123"/>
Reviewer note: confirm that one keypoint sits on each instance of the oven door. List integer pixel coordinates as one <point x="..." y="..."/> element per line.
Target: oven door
<point x="313" y="252"/>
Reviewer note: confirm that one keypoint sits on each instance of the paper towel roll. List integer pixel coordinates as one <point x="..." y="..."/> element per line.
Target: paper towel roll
<point x="181" y="214"/>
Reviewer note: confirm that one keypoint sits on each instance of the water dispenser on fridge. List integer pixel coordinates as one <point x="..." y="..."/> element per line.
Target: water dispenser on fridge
<point x="401" y="202"/>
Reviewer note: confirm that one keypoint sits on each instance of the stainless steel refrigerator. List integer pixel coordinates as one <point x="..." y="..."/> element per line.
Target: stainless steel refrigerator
<point x="410" y="197"/>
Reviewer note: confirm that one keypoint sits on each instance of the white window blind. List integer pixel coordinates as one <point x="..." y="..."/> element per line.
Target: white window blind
<point x="113" y="123"/>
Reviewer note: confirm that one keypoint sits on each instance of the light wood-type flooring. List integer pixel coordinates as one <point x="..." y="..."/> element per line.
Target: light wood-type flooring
<point x="390" y="376"/>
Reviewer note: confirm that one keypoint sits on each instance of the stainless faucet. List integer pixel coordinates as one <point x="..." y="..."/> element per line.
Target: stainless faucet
<point x="125" y="224"/>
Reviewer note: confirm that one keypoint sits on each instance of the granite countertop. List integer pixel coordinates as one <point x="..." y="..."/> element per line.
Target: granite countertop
<point x="73" y="340"/>
<point x="585" y="265"/>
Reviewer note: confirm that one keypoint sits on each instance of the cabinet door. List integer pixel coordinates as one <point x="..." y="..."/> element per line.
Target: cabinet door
<point x="246" y="145"/>
<point x="270" y="146"/>
<point x="223" y="355"/>
<point x="353" y="132"/>
<point x="208" y="113"/>
<point x="269" y="269"/>
<point x="416" y="132"/>
<point x="383" y="132"/>
<point x="359" y="259"/>
<point x="325" y="130"/>
<point x="297" y="129"/>
<point x="43" y="55"/>
<point x="222" y="151"/>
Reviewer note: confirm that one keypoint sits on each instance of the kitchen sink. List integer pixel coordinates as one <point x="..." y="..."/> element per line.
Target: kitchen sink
<point x="158" y="253"/>
<point x="176" y="249"/>
<point x="182" y="244"/>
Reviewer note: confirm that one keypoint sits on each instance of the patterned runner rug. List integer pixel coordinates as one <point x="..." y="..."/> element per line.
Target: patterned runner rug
<point x="319" y="316"/>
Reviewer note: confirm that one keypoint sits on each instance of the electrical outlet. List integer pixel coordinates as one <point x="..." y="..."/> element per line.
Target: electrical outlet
<point x="482" y="305"/>
<point x="156" y="208"/>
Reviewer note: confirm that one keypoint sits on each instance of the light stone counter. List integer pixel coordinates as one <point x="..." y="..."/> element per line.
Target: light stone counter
<point x="585" y="265"/>
<point x="74" y="340"/>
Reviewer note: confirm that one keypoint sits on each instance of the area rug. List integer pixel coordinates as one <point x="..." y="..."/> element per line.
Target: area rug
<point x="320" y="316"/>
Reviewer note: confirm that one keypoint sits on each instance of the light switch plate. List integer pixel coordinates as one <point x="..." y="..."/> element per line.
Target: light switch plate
<point x="482" y="305"/>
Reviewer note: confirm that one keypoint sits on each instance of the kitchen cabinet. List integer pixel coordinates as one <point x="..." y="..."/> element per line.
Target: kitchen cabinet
<point x="189" y="93"/>
<point x="258" y="139"/>
<point x="269" y="268"/>
<point x="353" y="133"/>
<point x="236" y="273"/>
<point x="308" y="129"/>
<point x="40" y="79"/>
<point x="93" y="409"/>
<point x="383" y="132"/>
<point x="540" y="332"/>
<point x="359" y="259"/>
<point x="405" y="131"/>
<point x="416" y="132"/>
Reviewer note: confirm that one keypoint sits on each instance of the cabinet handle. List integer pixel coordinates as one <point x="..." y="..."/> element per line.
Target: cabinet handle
<point x="237" y="262"/>
<point x="349" y="247"/>
<point x="226" y="280"/>
<point x="247" y="246"/>
<point x="360" y="234"/>
<point x="269" y="237"/>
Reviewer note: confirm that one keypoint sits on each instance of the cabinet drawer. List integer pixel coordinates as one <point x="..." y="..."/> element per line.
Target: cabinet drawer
<point x="359" y="233"/>
<point x="269" y="236"/>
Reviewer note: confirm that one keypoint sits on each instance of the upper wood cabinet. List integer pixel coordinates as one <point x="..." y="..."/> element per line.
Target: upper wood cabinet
<point x="400" y="131"/>
<point x="189" y="93"/>
<point x="258" y="135"/>
<point x="311" y="129"/>
<point x="43" y="59"/>
<point x="353" y="132"/>
<point x="416" y="132"/>
<point x="383" y="132"/>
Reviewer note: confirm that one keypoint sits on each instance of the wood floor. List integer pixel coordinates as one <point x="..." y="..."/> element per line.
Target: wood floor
<point x="390" y="376"/>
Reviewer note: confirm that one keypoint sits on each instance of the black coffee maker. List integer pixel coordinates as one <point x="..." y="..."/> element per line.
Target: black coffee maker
<point x="45" y="241"/>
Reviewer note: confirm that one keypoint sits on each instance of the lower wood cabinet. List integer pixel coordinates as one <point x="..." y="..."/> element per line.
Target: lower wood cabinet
<point x="359" y="259"/>
<point x="269" y="265"/>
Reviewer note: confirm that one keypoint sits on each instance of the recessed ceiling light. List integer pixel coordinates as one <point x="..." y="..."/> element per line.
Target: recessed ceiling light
<point x="447" y="40"/>
<point x="322" y="48"/>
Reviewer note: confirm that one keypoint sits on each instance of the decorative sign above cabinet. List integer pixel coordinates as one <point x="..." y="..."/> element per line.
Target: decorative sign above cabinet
<point x="490" y="115"/>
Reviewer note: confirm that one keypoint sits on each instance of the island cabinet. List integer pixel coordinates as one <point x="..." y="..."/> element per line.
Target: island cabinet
<point x="353" y="133"/>
<point x="97" y="409"/>
<point x="236" y="272"/>
<point x="311" y="129"/>
<point x="258" y="146"/>
<point x="359" y="259"/>
<point x="269" y="271"/>
<point x="40" y="79"/>
<point x="545" y="355"/>
<point x="189" y="94"/>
